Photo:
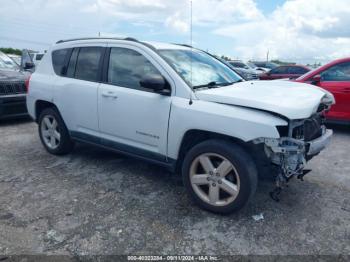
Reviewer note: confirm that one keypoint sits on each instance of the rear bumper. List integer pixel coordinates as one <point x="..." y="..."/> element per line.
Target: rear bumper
<point x="13" y="106"/>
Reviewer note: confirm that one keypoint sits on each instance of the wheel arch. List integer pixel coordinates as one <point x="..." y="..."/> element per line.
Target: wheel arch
<point x="195" y="136"/>
<point x="41" y="105"/>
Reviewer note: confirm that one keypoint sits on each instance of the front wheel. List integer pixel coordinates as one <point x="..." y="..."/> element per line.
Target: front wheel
<point x="219" y="175"/>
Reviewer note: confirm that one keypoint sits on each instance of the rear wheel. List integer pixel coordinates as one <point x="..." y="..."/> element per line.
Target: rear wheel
<point x="53" y="132"/>
<point x="219" y="175"/>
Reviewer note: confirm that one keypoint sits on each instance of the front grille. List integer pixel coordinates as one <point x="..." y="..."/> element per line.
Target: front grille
<point x="298" y="132"/>
<point x="12" y="88"/>
<point x="310" y="130"/>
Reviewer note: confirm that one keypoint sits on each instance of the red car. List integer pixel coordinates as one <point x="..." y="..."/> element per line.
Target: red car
<point x="335" y="78"/>
<point x="287" y="71"/>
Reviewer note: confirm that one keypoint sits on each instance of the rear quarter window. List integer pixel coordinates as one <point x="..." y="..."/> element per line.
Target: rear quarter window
<point x="58" y="59"/>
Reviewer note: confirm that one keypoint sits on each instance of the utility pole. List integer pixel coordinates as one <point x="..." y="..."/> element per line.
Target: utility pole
<point x="267" y="55"/>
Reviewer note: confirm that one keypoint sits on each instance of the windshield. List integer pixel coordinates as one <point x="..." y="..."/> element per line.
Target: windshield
<point x="206" y="70"/>
<point x="7" y="63"/>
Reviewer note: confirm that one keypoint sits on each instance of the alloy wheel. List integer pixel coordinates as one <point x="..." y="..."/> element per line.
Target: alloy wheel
<point x="214" y="179"/>
<point x="50" y="132"/>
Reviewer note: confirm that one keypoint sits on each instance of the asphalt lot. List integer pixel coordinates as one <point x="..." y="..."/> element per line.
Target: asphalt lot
<point x="97" y="202"/>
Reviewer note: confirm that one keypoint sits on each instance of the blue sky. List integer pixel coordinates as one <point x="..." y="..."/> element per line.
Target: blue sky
<point x="268" y="6"/>
<point x="295" y="30"/>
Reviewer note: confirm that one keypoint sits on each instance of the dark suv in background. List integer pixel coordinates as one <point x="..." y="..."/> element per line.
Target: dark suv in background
<point x="12" y="88"/>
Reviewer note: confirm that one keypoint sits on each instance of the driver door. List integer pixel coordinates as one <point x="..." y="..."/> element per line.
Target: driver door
<point x="131" y="118"/>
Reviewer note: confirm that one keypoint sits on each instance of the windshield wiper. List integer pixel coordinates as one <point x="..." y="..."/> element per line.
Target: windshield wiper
<point x="209" y="85"/>
<point x="226" y="84"/>
<point x="213" y="84"/>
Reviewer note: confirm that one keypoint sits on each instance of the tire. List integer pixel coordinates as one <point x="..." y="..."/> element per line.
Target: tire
<point x="61" y="143"/>
<point x="226" y="188"/>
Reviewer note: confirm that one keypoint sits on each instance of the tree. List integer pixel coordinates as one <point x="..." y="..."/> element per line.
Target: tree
<point x="225" y="58"/>
<point x="9" y="50"/>
<point x="282" y="62"/>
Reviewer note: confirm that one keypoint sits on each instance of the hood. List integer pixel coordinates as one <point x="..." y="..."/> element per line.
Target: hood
<point x="290" y="99"/>
<point x="12" y="75"/>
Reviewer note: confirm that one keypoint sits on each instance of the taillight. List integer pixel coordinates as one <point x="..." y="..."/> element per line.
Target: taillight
<point x="26" y="83"/>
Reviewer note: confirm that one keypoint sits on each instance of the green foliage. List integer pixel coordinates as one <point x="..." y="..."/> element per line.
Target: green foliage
<point x="314" y="65"/>
<point x="225" y="58"/>
<point x="282" y="62"/>
<point x="9" y="50"/>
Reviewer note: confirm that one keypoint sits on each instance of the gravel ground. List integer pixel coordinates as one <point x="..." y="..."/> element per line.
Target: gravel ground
<point x="94" y="202"/>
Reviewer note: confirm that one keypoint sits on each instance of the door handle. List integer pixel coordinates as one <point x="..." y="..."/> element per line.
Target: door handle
<point x="109" y="94"/>
<point x="346" y="90"/>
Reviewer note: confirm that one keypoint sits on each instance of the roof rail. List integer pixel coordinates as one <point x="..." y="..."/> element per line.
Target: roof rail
<point x="96" y="38"/>
<point x="109" y="38"/>
<point x="185" y="45"/>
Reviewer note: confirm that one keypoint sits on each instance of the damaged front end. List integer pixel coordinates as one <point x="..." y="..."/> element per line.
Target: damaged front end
<point x="299" y="142"/>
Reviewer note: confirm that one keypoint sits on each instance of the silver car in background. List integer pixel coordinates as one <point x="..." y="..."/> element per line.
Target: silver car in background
<point x="245" y="70"/>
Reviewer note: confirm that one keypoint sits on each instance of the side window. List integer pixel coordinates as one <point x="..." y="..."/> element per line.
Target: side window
<point x="58" y="58"/>
<point x="72" y="63"/>
<point x="279" y="70"/>
<point x="87" y="66"/>
<point x="339" y="72"/>
<point x="127" y="67"/>
<point x="297" y="70"/>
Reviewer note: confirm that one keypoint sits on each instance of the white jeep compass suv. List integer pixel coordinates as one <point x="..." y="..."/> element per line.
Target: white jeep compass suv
<point x="181" y="108"/>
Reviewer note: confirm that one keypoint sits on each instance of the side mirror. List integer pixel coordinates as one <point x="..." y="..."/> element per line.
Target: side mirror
<point x="316" y="79"/>
<point x="157" y="83"/>
<point x="28" y="65"/>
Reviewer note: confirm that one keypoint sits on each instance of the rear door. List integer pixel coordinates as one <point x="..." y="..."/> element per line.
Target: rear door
<point x="76" y="89"/>
<point x="336" y="80"/>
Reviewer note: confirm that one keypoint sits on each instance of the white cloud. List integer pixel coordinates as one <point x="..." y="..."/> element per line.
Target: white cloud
<point x="302" y="30"/>
<point x="176" y="14"/>
<point x="177" y="23"/>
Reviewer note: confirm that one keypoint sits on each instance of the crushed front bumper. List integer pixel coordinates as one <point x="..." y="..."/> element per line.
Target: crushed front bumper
<point x="317" y="145"/>
<point x="291" y="154"/>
